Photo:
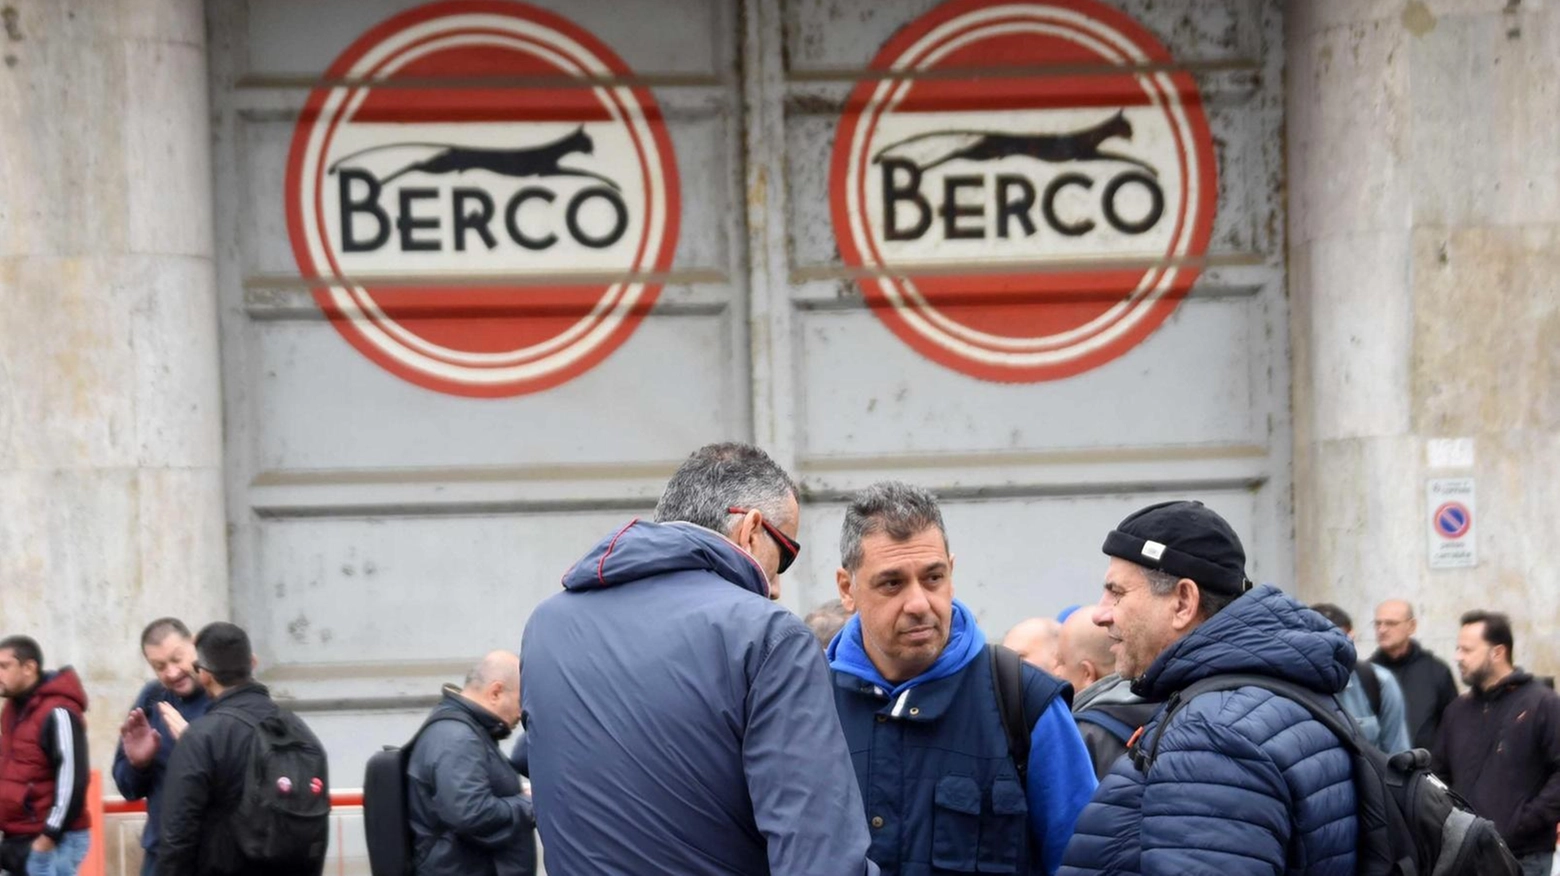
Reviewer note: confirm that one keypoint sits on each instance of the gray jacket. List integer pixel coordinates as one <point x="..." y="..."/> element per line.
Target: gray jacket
<point x="1112" y="698"/>
<point x="463" y="797"/>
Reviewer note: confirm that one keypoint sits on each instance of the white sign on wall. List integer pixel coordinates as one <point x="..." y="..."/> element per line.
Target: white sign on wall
<point x="1450" y="510"/>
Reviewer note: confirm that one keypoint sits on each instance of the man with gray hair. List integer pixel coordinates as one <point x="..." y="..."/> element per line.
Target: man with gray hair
<point x="679" y="720"/>
<point x="950" y="785"/>
<point x="468" y="815"/>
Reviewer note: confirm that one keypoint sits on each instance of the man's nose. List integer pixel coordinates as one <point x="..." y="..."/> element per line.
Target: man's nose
<point x="916" y="601"/>
<point x="1103" y="616"/>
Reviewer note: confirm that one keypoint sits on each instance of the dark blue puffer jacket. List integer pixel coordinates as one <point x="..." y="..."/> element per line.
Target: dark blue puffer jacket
<point x="1245" y="782"/>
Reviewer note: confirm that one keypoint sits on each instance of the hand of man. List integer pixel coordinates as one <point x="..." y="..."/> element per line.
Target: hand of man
<point x="174" y="721"/>
<point x="43" y="844"/>
<point x="140" y="741"/>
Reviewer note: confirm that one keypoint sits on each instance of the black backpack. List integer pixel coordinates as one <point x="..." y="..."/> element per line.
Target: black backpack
<point x="387" y="819"/>
<point x="1410" y="822"/>
<point x="1007" y="680"/>
<point x="284" y="814"/>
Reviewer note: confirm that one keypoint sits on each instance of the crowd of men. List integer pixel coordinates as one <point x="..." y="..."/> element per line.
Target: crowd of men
<point x="678" y="720"/>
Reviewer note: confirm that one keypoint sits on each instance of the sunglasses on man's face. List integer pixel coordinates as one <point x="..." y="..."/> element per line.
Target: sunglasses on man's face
<point x="789" y="547"/>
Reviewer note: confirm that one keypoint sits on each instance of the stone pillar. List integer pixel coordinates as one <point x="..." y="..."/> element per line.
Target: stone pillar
<point x="111" y="491"/>
<point x="1425" y="291"/>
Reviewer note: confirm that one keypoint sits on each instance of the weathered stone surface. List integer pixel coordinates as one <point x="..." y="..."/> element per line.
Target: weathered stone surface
<point x="110" y="405"/>
<point x="1349" y="135"/>
<point x="1486" y="330"/>
<point x="1425" y="210"/>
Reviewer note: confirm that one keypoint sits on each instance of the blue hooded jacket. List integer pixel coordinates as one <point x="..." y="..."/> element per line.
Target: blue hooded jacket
<point x="1245" y="781"/>
<point x="680" y="722"/>
<point x="932" y="757"/>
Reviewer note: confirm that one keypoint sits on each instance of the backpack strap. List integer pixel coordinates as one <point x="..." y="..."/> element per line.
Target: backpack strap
<point x="1322" y="709"/>
<point x="1112" y="724"/>
<point x="1007" y="678"/>
<point x="1371" y="685"/>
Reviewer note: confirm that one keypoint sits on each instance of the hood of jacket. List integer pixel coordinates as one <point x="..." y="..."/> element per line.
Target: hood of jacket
<point x="1112" y="690"/>
<point x="848" y="654"/>
<point x="1264" y="632"/>
<point x="62" y="684"/>
<point x="644" y="550"/>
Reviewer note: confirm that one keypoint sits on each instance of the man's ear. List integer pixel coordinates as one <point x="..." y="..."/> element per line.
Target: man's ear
<point x="1188" y="602"/>
<point x="747" y="531"/>
<point x="842" y="581"/>
<point x="1090" y="672"/>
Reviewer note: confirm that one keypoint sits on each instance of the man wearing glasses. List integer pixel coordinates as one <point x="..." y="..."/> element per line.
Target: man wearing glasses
<point x="679" y="720"/>
<point x="1426" y="680"/>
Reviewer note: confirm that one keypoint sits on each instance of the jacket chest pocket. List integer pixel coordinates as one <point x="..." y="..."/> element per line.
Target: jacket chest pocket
<point x="969" y="838"/>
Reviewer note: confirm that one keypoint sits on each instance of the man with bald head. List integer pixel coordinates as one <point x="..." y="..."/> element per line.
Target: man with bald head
<point x="1105" y="708"/>
<point x="468" y="815"/>
<point x="1426" y="680"/>
<point x="1034" y="640"/>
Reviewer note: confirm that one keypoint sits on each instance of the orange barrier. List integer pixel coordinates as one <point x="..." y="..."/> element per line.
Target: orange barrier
<point x="348" y="799"/>
<point x="92" y="864"/>
<point x="95" y="863"/>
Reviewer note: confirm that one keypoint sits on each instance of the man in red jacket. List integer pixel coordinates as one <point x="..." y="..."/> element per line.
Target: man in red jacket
<point x="1499" y="743"/>
<point x="43" y="764"/>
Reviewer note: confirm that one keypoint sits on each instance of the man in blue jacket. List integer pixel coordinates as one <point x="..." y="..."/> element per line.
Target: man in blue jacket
<point x="913" y="685"/>
<point x="1241" y="781"/>
<point x="678" y="719"/>
<point x="162" y="710"/>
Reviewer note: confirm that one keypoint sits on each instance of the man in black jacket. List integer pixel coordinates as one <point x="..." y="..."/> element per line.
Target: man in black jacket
<point x="204" y="782"/>
<point x="1499" y="744"/>
<point x="469" y="817"/>
<point x="1426" y="680"/>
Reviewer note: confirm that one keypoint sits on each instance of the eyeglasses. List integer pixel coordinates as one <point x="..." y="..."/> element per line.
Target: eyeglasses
<point x="199" y="666"/>
<point x="789" y="547"/>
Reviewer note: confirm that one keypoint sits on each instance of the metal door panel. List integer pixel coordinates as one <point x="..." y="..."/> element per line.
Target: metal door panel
<point x="406" y="588"/>
<point x="469" y="509"/>
<point x="866" y="393"/>
<point x="318" y="406"/>
<point x="302" y="37"/>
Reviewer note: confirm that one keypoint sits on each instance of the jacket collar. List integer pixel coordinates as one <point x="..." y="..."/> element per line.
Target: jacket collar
<point x="928" y="701"/>
<point x="1518" y="678"/>
<point x="1413" y="653"/>
<point x="924" y="697"/>
<point x="485" y="720"/>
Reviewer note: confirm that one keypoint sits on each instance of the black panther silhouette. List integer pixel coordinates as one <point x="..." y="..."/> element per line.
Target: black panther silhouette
<point x="527" y="161"/>
<point x="929" y="150"/>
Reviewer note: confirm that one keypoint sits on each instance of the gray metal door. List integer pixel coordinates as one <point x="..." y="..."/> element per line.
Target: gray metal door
<point x="389" y="522"/>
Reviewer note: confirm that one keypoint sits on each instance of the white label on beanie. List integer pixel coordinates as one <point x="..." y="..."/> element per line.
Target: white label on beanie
<point x="1153" y="550"/>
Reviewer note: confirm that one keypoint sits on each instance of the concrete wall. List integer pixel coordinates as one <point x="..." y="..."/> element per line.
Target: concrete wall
<point x="110" y="412"/>
<point x="1425" y="290"/>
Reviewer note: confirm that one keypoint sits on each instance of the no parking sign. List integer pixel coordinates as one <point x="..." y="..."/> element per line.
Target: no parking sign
<point x="1450" y="504"/>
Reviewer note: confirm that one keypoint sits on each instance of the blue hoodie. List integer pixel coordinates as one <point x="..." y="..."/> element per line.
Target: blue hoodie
<point x="1061" y="776"/>
<point x="1245" y="781"/>
<point x="680" y="722"/>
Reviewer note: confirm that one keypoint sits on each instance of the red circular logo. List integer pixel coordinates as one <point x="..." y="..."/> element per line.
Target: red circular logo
<point x="1018" y="209"/>
<point x="481" y="225"/>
